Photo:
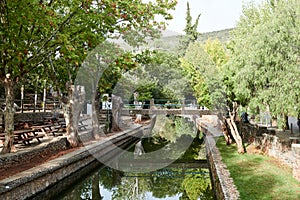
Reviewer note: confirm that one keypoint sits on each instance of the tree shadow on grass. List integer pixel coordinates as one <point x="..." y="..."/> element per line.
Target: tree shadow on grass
<point x="255" y="177"/>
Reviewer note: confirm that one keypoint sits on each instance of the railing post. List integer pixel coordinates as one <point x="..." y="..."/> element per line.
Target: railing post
<point x="35" y="101"/>
<point x="44" y="96"/>
<point x="22" y="98"/>
<point x="152" y="104"/>
<point x="183" y="104"/>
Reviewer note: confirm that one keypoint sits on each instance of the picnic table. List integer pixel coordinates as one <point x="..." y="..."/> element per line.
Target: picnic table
<point x="45" y="128"/>
<point x="26" y="135"/>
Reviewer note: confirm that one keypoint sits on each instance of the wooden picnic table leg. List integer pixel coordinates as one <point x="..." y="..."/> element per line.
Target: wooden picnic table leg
<point x="24" y="138"/>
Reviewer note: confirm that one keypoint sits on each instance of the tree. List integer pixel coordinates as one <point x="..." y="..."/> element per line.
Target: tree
<point x="52" y="38"/>
<point x="265" y="58"/>
<point x="158" y="78"/>
<point x="205" y="65"/>
<point x="191" y="33"/>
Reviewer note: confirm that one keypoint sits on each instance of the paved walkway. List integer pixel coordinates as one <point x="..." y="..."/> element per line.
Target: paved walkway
<point x="213" y="124"/>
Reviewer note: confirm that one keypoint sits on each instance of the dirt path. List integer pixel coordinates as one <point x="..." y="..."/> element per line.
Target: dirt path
<point x="7" y="172"/>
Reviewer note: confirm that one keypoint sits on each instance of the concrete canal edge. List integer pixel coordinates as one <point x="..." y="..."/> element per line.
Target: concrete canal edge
<point x="27" y="183"/>
<point x="222" y="183"/>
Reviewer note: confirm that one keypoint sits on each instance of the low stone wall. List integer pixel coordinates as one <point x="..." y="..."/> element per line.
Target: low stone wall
<point x="268" y="142"/>
<point x="296" y="163"/>
<point x="26" y="156"/>
<point x="271" y="145"/>
<point x="222" y="183"/>
<point x="87" y="135"/>
<point x="250" y="131"/>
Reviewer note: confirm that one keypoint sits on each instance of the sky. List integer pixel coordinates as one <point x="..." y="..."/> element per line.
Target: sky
<point x="215" y="14"/>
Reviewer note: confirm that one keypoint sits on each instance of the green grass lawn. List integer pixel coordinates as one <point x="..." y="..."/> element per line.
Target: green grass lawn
<point x="258" y="176"/>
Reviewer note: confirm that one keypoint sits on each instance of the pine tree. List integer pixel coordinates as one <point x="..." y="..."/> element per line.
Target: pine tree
<point x="191" y="33"/>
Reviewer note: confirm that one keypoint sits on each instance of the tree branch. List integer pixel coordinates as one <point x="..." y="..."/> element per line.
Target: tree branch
<point x="53" y="35"/>
<point x="20" y="31"/>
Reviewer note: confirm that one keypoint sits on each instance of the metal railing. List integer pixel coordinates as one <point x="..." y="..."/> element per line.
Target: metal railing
<point x="163" y="104"/>
<point x="32" y="105"/>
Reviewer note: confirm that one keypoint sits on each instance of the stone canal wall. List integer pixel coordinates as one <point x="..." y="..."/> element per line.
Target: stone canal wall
<point x="222" y="183"/>
<point x="27" y="183"/>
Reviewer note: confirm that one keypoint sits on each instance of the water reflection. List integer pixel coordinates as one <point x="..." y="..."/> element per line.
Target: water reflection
<point x="168" y="183"/>
<point x="186" y="179"/>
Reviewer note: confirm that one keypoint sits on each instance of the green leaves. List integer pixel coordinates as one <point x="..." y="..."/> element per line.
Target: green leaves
<point x="266" y="56"/>
<point x="34" y="31"/>
<point x="203" y="65"/>
<point x="191" y="33"/>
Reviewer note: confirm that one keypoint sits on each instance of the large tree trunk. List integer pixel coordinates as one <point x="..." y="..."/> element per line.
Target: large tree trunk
<point x="231" y="122"/>
<point x="95" y="113"/>
<point x="117" y="105"/>
<point x="286" y="121"/>
<point x="9" y="116"/>
<point x="226" y="134"/>
<point x="95" y="187"/>
<point x="72" y="109"/>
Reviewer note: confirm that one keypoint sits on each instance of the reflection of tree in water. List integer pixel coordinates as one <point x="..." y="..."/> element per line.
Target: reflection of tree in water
<point x="172" y="135"/>
<point x="195" y="186"/>
<point x="110" y="177"/>
<point x="89" y="189"/>
<point x="163" y="187"/>
<point x="189" y="184"/>
<point x="96" y="193"/>
<point x="175" y="134"/>
<point x="131" y="188"/>
<point x="171" y="128"/>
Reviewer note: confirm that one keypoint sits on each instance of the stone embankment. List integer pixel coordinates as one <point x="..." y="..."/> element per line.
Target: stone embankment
<point x="269" y="141"/>
<point x="275" y="143"/>
<point x="222" y="183"/>
<point x="32" y="181"/>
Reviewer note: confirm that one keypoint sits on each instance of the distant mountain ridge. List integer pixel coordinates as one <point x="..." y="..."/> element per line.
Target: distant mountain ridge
<point x="170" y="40"/>
<point x="222" y="35"/>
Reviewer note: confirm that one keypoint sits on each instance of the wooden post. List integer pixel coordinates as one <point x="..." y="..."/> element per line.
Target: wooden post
<point x="35" y="101"/>
<point x="44" y="96"/>
<point x="22" y="98"/>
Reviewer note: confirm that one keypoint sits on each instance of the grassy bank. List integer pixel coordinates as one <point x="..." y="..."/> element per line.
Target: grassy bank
<point x="259" y="177"/>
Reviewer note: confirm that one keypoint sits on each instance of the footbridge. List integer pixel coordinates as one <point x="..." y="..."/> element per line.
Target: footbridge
<point x="165" y="107"/>
<point x="198" y="112"/>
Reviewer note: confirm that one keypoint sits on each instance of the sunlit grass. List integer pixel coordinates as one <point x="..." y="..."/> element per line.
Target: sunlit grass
<point x="259" y="177"/>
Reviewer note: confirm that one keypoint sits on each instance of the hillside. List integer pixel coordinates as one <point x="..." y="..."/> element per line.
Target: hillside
<point x="170" y="39"/>
<point x="170" y="43"/>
